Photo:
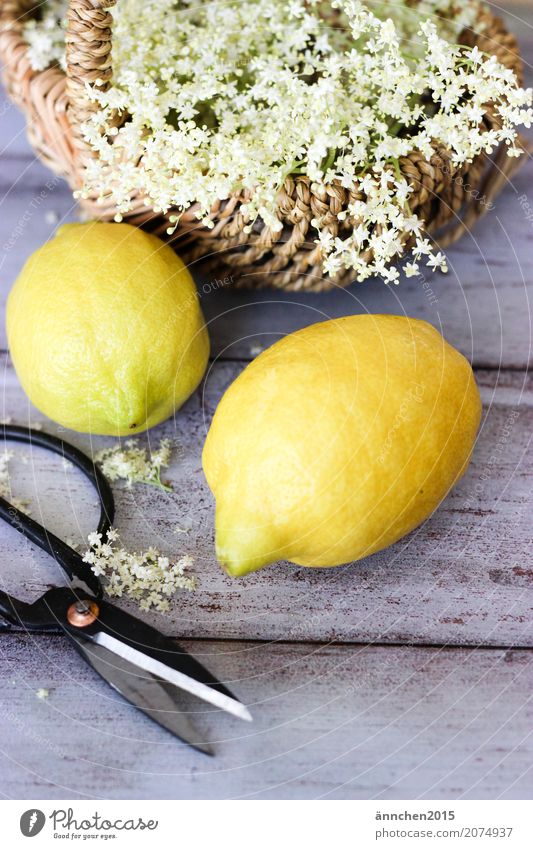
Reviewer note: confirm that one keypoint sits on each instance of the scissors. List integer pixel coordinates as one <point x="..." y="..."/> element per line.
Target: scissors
<point x="149" y="669"/>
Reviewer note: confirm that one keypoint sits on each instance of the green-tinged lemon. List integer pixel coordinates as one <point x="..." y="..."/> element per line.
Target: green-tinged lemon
<point x="105" y="329"/>
<point x="337" y="441"/>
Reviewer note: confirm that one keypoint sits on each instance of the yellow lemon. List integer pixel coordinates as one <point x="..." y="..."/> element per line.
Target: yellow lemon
<point x="105" y="329"/>
<point x="337" y="441"/>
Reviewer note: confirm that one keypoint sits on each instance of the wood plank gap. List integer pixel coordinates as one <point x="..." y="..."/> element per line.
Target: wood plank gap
<point x="15" y="631"/>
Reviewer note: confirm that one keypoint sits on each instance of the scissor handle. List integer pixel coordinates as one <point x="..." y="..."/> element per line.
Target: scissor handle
<point x="70" y="561"/>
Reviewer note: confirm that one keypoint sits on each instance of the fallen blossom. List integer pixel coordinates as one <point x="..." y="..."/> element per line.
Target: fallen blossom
<point x="42" y="693"/>
<point x="5" y="483"/>
<point x="132" y="463"/>
<point x="149" y="578"/>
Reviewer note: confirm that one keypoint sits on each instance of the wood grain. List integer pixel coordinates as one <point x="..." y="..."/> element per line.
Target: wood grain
<point x="329" y="721"/>
<point x="463" y="578"/>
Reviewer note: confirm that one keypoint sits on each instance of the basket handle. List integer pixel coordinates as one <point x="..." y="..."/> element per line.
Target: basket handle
<point x="88" y="49"/>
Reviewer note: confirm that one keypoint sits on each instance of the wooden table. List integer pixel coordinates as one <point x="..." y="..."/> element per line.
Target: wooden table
<point x="408" y="675"/>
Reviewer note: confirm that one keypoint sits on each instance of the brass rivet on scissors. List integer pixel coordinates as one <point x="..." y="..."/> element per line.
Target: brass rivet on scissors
<point x="82" y="613"/>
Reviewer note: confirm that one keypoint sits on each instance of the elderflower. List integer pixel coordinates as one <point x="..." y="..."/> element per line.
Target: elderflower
<point x="148" y="578"/>
<point x="5" y="483"/>
<point x="339" y="91"/>
<point x="411" y="269"/>
<point x="184" y="528"/>
<point x="46" y="36"/>
<point x="133" y="464"/>
<point x="42" y="693"/>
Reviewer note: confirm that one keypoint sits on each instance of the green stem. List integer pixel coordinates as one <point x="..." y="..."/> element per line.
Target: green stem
<point x="158" y="483"/>
<point x="399" y="176"/>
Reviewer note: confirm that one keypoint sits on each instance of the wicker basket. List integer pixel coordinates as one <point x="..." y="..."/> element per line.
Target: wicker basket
<point x="56" y="104"/>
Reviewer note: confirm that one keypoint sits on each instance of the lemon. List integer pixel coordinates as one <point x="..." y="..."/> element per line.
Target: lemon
<point x="105" y="329"/>
<point x="337" y="441"/>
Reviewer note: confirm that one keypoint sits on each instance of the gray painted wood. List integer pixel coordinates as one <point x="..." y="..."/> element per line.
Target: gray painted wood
<point x="464" y="578"/>
<point x="329" y="721"/>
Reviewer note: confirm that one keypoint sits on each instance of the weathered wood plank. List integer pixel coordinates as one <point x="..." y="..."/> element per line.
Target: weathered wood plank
<point x="33" y="202"/>
<point x="464" y="578"/>
<point x="329" y="721"/>
<point x="13" y="138"/>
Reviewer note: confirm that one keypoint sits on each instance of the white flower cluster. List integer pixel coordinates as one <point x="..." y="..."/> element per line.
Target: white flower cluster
<point x="133" y="464"/>
<point x="148" y="578"/>
<point x="5" y="483"/>
<point x="46" y="36"/>
<point x="217" y="98"/>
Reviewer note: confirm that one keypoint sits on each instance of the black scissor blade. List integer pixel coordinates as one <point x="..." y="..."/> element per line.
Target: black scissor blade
<point x="148" y="649"/>
<point x="158" y="700"/>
